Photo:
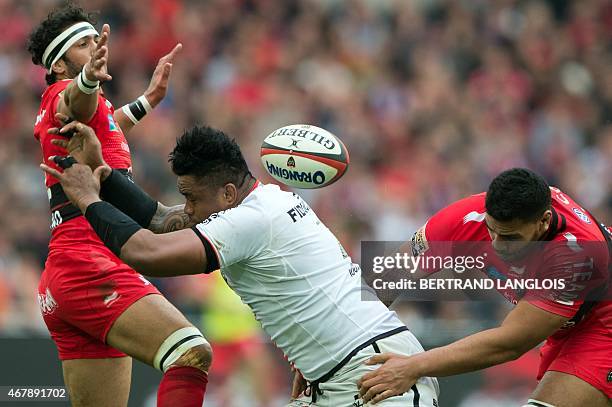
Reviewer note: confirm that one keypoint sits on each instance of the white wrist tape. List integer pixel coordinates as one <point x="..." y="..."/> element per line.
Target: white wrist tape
<point x="537" y="403"/>
<point x="85" y="85"/>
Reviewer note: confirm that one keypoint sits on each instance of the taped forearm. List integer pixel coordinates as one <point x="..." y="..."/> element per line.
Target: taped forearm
<point x="112" y="226"/>
<point x="81" y="98"/>
<point x="129" y="198"/>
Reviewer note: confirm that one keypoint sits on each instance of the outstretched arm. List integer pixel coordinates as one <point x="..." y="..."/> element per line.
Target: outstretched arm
<point x="524" y="328"/>
<point x="80" y="98"/>
<point x="159" y="255"/>
<point x="129" y="115"/>
<point x="118" y="188"/>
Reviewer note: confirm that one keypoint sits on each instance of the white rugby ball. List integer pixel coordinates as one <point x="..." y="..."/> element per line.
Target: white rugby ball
<point x="304" y="156"/>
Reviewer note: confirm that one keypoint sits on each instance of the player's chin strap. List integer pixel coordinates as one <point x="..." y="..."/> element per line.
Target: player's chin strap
<point x="536" y="403"/>
<point x="176" y="345"/>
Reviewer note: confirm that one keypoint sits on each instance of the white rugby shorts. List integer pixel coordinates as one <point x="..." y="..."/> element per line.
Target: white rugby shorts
<point x="341" y="389"/>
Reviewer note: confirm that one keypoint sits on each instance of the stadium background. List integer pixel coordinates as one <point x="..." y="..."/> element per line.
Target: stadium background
<point x="432" y="98"/>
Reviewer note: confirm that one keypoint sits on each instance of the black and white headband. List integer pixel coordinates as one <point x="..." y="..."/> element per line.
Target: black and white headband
<point x="58" y="47"/>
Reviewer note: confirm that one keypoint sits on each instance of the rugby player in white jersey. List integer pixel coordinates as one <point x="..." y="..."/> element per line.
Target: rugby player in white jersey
<point x="270" y="247"/>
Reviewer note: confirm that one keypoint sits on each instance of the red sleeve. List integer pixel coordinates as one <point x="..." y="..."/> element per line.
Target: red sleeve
<point x="459" y="221"/>
<point x="431" y="240"/>
<point x="53" y="94"/>
<point x="54" y="97"/>
<point x="48" y="107"/>
<point x="436" y="237"/>
<point x="441" y="226"/>
<point x="557" y="308"/>
<point x="578" y="270"/>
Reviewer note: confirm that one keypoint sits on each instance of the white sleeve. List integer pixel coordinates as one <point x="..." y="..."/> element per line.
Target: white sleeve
<point x="236" y="234"/>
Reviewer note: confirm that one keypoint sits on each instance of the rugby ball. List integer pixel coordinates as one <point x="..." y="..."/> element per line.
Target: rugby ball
<point x="304" y="156"/>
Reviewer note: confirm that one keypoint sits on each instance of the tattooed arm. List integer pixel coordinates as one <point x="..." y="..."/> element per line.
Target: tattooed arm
<point x="169" y="219"/>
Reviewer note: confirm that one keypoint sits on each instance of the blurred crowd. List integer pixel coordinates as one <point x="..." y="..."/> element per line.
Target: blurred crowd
<point x="432" y="98"/>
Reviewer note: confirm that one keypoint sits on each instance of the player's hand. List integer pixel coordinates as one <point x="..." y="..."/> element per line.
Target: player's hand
<point x="159" y="81"/>
<point x="97" y="67"/>
<point x="83" y="143"/>
<point x="299" y="385"/>
<point x="81" y="186"/>
<point x="393" y="378"/>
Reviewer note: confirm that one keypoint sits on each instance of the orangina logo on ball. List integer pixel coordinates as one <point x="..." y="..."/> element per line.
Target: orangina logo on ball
<point x="304" y="156"/>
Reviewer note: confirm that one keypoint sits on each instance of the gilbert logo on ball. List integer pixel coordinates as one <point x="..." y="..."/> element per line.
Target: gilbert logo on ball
<point x="304" y="156"/>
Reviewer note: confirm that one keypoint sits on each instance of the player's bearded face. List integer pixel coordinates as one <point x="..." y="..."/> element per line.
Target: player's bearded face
<point x="72" y="69"/>
<point x="78" y="55"/>
<point x="512" y="240"/>
<point x="202" y="199"/>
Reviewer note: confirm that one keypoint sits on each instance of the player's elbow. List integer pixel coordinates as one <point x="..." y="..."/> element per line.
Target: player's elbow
<point x="84" y="116"/>
<point x="81" y="110"/>
<point x="515" y="349"/>
<point x="138" y="260"/>
<point x="515" y="353"/>
<point x="152" y="255"/>
<point x="503" y="354"/>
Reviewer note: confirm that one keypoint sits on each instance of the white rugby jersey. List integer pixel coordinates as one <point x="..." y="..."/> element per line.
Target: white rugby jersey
<point x="303" y="288"/>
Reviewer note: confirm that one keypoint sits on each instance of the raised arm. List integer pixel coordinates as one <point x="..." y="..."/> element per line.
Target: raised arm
<point x="80" y="98"/>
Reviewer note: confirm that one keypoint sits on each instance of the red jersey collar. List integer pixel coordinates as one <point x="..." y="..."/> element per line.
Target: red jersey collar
<point x="557" y="225"/>
<point x="255" y="185"/>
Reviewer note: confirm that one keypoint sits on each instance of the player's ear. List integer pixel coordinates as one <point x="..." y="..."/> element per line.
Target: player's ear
<point x="59" y="67"/>
<point x="545" y="220"/>
<point x="230" y="194"/>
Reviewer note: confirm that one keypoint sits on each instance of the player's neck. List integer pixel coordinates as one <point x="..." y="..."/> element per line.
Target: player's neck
<point x="544" y="233"/>
<point x="247" y="188"/>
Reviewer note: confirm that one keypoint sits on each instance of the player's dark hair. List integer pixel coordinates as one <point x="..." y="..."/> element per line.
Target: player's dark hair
<point x="518" y="194"/>
<point x="57" y="21"/>
<point x="203" y="151"/>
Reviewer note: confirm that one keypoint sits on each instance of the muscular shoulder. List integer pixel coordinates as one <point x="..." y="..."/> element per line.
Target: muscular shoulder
<point x="51" y="93"/>
<point x="461" y="220"/>
<point x="576" y="222"/>
<point x="56" y="88"/>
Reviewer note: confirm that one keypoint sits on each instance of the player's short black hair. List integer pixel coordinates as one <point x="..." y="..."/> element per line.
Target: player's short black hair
<point x="57" y="21"/>
<point x="518" y="194"/>
<point x="203" y="151"/>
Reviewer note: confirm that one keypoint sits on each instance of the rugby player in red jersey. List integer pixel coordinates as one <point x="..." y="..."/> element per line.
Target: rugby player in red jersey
<point x="518" y="209"/>
<point x="97" y="309"/>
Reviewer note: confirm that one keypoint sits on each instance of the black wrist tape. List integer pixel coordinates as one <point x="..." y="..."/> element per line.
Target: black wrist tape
<point x="129" y="198"/>
<point x="111" y="225"/>
<point x="137" y="109"/>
